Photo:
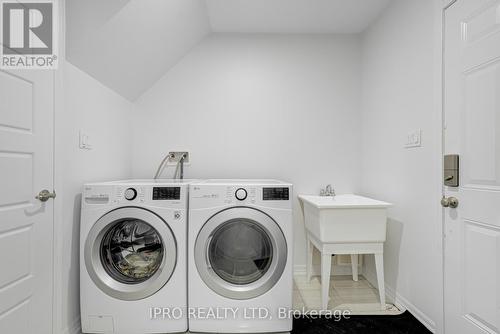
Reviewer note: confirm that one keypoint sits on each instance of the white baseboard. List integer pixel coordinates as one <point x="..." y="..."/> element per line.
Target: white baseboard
<point x="401" y="302"/>
<point x="74" y="328"/>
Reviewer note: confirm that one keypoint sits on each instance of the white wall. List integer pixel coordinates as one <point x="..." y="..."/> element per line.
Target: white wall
<point x="259" y="106"/>
<point x="105" y="116"/>
<point x="399" y="87"/>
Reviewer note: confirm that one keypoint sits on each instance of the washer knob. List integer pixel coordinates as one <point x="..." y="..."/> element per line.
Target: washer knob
<point x="130" y="194"/>
<point x="240" y="194"/>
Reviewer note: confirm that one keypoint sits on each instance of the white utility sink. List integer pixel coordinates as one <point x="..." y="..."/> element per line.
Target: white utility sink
<point x="345" y="218"/>
<point x="345" y="224"/>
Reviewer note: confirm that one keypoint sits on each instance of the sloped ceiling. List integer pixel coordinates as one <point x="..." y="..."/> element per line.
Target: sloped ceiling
<point x="294" y="16"/>
<point x="129" y="44"/>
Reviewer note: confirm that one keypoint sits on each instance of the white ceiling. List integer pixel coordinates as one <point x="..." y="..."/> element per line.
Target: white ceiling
<point x="129" y="44"/>
<point x="293" y="16"/>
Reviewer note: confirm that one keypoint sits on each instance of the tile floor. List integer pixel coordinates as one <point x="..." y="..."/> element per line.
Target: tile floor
<point x="345" y="294"/>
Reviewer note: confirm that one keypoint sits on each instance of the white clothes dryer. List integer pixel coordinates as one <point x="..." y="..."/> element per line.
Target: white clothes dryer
<point x="240" y="256"/>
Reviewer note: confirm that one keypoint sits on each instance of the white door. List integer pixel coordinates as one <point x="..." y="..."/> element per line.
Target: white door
<point x="472" y="130"/>
<point x="26" y="224"/>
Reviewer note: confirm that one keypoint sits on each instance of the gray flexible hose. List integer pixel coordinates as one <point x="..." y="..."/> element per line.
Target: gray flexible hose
<point x="162" y="165"/>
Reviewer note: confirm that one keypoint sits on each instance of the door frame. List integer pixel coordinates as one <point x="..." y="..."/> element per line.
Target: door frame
<point x="445" y="5"/>
<point x="57" y="310"/>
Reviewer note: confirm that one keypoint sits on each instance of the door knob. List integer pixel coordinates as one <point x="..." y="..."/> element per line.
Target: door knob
<point x="451" y="202"/>
<point x="44" y="195"/>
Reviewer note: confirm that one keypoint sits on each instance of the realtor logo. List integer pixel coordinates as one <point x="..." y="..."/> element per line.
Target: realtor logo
<point x="28" y="35"/>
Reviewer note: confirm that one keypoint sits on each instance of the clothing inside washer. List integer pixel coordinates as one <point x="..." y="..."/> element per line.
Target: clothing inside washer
<point x="132" y="251"/>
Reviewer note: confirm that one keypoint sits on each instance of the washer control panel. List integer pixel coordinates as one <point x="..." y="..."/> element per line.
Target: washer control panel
<point x="166" y="193"/>
<point x="159" y="195"/>
<point x="130" y="194"/>
<point x="134" y="193"/>
<point x="275" y="194"/>
<point x="241" y="194"/>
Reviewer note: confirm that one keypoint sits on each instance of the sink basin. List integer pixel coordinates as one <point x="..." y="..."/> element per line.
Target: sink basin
<point x="345" y="218"/>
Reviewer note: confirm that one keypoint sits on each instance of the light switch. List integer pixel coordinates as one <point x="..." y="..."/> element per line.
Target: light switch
<point x="414" y="139"/>
<point x="85" y="142"/>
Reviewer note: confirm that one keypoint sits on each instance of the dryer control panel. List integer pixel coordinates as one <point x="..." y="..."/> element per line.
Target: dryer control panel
<point x="240" y="194"/>
<point x="209" y="195"/>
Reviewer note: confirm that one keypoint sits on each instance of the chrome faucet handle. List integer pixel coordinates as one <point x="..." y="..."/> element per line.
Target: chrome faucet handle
<point x="328" y="191"/>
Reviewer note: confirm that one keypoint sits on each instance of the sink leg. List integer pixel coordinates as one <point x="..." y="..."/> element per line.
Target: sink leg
<point x="326" y="264"/>
<point x="310" y="252"/>
<point x="379" y="263"/>
<point x="354" y="265"/>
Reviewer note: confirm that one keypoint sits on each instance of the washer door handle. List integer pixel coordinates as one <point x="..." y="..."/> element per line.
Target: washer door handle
<point x="209" y="240"/>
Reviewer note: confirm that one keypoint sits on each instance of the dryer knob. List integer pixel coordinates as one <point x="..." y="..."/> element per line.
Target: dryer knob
<point x="241" y="194"/>
<point x="130" y="194"/>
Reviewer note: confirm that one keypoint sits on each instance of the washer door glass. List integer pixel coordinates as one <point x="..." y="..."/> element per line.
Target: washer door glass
<point x="131" y="251"/>
<point x="240" y="251"/>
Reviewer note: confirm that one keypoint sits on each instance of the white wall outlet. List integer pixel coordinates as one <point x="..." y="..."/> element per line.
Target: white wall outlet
<point x="177" y="157"/>
<point x="85" y="142"/>
<point x="414" y="139"/>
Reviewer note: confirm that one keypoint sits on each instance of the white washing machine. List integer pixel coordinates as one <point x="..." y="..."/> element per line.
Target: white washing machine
<point x="240" y="256"/>
<point x="133" y="257"/>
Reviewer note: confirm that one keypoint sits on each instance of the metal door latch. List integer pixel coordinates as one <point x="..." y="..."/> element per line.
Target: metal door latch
<point x="451" y="170"/>
<point x="44" y="195"/>
<point x="451" y="202"/>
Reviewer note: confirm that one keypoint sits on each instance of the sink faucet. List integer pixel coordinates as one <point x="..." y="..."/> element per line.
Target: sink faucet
<point x="328" y="191"/>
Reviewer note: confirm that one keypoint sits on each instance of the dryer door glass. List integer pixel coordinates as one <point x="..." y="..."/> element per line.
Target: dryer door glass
<point x="240" y="251"/>
<point x="131" y="251"/>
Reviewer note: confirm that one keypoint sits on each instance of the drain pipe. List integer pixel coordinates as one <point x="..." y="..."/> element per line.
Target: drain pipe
<point x="179" y="169"/>
<point x="181" y="161"/>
